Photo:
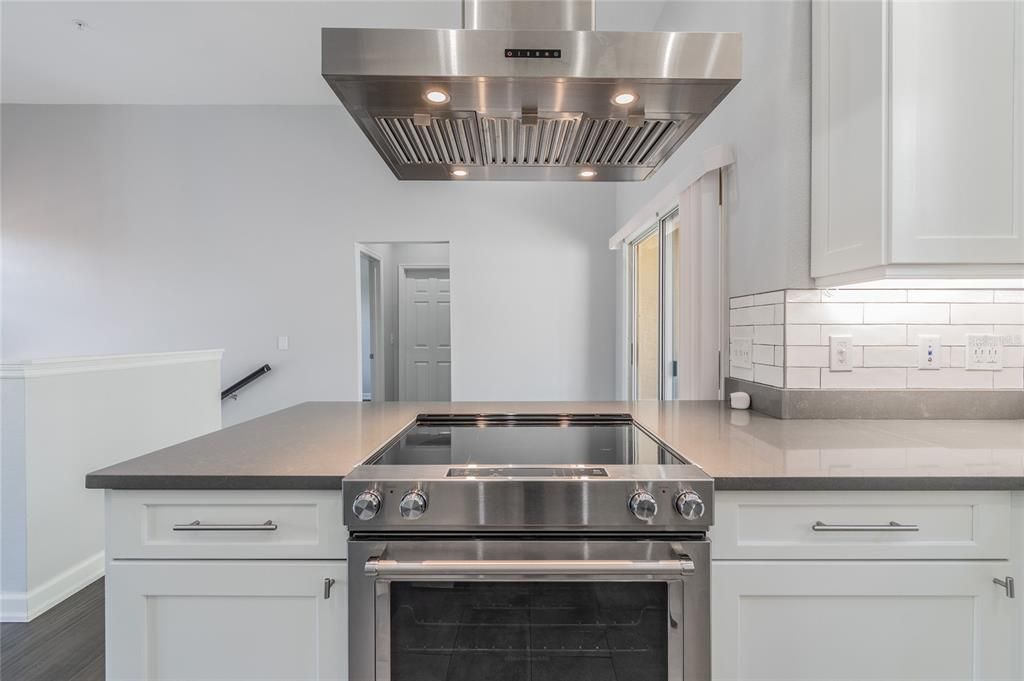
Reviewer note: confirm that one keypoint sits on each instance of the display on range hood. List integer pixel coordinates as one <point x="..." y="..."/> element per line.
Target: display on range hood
<point x="528" y="103"/>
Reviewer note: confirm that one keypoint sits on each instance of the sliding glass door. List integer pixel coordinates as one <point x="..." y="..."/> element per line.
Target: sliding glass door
<point x="654" y="276"/>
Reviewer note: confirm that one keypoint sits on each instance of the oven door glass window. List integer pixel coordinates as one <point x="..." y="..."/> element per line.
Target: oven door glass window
<point x="529" y="631"/>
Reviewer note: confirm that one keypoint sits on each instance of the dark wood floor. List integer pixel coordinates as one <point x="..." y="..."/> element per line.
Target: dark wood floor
<point x="65" y="643"/>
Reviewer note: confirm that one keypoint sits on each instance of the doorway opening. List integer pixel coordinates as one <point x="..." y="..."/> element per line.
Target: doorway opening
<point x="404" y="321"/>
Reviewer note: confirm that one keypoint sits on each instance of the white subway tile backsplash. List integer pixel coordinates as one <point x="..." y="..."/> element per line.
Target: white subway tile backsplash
<point x="1010" y="296"/>
<point x="853" y="295"/>
<point x="790" y="330"/>
<point x="1011" y="334"/>
<point x="996" y="313"/>
<point x="906" y="313"/>
<point x="950" y="296"/>
<point x="769" y="298"/>
<point x="803" y="295"/>
<point x="868" y="334"/>
<point x="885" y="378"/>
<point x="949" y="334"/>
<point x="768" y="335"/>
<point x="769" y="375"/>
<point x="950" y="379"/>
<point x="764" y="354"/>
<point x="807" y="356"/>
<point x="743" y="373"/>
<point x="797" y="377"/>
<point x="890" y="356"/>
<point x="803" y="334"/>
<point x="1008" y="379"/>
<point x="824" y="313"/>
<point x="763" y="314"/>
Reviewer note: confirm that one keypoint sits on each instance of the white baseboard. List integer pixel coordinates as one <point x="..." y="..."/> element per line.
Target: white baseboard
<point x="19" y="607"/>
<point x="13" y="606"/>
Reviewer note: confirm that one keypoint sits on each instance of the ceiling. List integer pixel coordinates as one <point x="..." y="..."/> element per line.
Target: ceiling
<point x="205" y="52"/>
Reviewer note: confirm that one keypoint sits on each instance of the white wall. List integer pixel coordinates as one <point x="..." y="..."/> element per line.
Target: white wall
<point x="142" y="229"/>
<point x="766" y="120"/>
<point x="73" y="417"/>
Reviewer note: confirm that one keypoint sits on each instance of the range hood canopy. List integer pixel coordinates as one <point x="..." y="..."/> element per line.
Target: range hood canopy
<point x="528" y="91"/>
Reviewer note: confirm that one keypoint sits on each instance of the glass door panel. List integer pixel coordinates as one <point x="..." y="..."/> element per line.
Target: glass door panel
<point x="647" y="322"/>
<point x="539" y="631"/>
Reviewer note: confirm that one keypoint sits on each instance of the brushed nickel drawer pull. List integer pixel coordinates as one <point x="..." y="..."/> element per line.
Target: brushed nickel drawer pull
<point x="196" y="526"/>
<point x="892" y="526"/>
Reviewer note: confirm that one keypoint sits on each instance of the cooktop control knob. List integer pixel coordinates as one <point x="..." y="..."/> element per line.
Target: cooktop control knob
<point x="690" y="505"/>
<point x="413" y="505"/>
<point x="643" y="505"/>
<point x="366" y="505"/>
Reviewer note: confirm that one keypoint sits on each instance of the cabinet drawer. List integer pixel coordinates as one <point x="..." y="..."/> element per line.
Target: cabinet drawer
<point x="861" y="525"/>
<point x="225" y="524"/>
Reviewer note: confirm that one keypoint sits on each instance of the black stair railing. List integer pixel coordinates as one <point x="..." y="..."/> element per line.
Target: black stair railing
<point x="231" y="392"/>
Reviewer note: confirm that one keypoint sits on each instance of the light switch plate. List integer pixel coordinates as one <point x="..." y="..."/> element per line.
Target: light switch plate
<point x="984" y="352"/>
<point x="840" y="353"/>
<point x="929" y="352"/>
<point x="741" y="353"/>
<point x="282" y="342"/>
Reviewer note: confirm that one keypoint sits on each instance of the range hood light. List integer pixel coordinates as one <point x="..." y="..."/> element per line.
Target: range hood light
<point x="437" y="96"/>
<point x="460" y="172"/>
<point x="624" y="98"/>
<point x="588" y="173"/>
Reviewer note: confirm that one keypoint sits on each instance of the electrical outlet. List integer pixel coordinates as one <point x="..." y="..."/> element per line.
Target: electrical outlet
<point x="741" y="353"/>
<point x="929" y="351"/>
<point x="840" y="353"/>
<point x="984" y="352"/>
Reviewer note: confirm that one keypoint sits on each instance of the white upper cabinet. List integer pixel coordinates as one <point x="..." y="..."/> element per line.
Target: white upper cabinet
<point x="917" y="139"/>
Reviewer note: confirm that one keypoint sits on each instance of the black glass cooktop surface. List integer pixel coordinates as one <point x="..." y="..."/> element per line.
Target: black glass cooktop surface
<point x="589" y="441"/>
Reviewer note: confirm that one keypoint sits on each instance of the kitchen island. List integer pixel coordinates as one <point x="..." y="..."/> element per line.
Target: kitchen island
<point x="840" y="549"/>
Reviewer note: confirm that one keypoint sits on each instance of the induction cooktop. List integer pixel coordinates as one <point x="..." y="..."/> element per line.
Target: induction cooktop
<point x="483" y="443"/>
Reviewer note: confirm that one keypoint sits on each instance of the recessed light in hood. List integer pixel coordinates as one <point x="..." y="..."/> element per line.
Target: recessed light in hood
<point x="526" y="95"/>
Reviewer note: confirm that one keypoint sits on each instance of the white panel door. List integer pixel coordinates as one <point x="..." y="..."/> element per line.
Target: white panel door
<point x="862" y="621"/>
<point x="957" y="170"/>
<point x="424" y="331"/>
<point x="220" y="620"/>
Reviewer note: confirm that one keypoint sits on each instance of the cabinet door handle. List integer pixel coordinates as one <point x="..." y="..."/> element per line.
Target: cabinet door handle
<point x="328" y="583"/>
<point x="1006" y="584"/>
<point x="196" y="526"/>
<point x="892" y="526"/>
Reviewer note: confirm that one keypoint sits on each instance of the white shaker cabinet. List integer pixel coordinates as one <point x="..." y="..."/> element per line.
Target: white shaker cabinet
<point x="917" y="139"/>
<point x="870" y="621"/>
<point x="219" y="585"/>
<point x="221" y="620"/>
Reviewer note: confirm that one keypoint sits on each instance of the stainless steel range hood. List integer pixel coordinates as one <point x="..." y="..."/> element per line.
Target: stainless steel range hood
<point x="527" y="91"/>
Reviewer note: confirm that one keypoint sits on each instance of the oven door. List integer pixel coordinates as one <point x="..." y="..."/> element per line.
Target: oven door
<point x="537" y="610"/>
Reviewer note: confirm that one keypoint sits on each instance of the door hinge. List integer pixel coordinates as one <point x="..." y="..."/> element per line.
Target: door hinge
<point x="675" y="369"/>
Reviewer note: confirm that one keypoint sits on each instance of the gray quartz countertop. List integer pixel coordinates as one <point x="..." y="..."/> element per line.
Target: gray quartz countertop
<point x="314" y="446"/>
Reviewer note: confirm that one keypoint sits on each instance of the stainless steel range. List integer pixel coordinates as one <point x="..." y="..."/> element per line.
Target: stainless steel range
<point x="528" y="547"/>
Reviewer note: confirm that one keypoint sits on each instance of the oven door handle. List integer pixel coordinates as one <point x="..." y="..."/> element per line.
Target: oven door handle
<point x="441" y="569"/>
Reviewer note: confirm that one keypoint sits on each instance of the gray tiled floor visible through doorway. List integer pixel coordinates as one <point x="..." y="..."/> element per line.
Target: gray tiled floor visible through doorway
<point x="65" y="643"/>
